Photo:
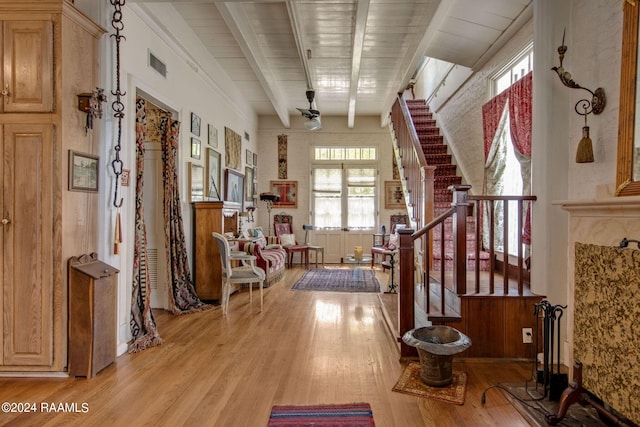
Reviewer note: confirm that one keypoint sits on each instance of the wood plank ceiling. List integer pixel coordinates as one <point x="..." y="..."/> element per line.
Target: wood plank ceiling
<point x="356" y="54"/>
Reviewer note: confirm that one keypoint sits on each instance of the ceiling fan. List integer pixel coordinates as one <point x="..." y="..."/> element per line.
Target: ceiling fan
<point x="310" y="113"/>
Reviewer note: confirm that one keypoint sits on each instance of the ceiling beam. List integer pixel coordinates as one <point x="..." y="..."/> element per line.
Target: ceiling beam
<point x="238" y="23"/>
<point x="362" y="14"/>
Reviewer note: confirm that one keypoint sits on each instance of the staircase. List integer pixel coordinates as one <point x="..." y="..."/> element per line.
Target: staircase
<point x="436" y="154"/>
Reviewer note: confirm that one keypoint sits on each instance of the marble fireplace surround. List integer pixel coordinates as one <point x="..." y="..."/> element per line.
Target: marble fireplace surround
<point x="603" y="222"/>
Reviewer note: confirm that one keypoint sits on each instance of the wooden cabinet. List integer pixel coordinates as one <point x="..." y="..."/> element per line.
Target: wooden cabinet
<point x="42" y="223"/>
<point x="93" y="290"/>
<point x="27" y="83"/>
<point x="27" y="244"/>
<point x="210" y="217"/>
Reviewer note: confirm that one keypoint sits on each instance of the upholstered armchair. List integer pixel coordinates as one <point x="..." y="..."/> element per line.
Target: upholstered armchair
<point x="283" y="229"/>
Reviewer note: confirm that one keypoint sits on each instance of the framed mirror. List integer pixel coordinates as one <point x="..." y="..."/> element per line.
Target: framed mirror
<point x="628" y="170"/>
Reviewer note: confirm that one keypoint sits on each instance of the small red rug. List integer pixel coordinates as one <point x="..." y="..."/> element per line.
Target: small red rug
<point x="351" y="415"/>
<point x="410" y="383"/>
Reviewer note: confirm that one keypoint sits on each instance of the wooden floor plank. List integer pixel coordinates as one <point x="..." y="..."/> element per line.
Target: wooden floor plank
<point x="303" y="348"/>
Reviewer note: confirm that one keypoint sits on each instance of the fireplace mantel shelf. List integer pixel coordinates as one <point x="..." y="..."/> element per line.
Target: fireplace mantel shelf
<point x="614" y="206"/>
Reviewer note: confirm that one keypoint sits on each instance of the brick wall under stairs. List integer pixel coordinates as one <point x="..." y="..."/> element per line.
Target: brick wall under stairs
<point x="436" y="154"/>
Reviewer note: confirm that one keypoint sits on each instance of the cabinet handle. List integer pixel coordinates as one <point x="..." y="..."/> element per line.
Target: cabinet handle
<point x="5" y="91"/>
<point x="5" y="221"/>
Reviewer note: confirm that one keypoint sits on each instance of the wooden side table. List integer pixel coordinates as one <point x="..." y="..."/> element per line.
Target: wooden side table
<point x="317" y="249"/>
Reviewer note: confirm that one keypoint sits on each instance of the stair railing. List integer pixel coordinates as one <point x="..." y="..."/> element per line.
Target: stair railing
<point x="415" y="175"/>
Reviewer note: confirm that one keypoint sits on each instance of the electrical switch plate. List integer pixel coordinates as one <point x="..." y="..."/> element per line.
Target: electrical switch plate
<point x="527" y="335"/>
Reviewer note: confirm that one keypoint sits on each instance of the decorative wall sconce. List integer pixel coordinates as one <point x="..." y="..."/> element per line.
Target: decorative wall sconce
<point x="91" y="103"/>
<point x="596" y="105"/>
<point x="598" y="98"/>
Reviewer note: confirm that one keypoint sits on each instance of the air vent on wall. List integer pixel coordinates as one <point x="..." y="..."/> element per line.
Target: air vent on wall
<point x="157" y="64"/>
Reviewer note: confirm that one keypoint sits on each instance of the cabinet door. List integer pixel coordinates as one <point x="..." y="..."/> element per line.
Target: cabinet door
<point x="27" y="244"/>
<point x="28" y="66"/>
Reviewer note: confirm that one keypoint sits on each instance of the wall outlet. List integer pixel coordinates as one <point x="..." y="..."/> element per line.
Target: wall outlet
<point x="527" y="335"/>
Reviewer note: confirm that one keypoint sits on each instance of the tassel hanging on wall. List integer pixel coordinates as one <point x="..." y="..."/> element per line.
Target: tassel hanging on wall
<point x="585" y="146"/>
<point x="117" y="235"/>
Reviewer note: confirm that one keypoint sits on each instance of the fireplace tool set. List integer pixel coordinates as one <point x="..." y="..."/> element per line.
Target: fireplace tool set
<point x="551" y="380"/>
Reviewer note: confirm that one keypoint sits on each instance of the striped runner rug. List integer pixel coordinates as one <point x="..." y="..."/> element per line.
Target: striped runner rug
<point x="350" y="415"/>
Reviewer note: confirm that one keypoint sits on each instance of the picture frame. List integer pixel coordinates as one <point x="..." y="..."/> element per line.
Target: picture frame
<point x="83" y="172"/>
<point x="234" y="187"/>
<point x="393" y="195"/>
<point x="249" y="176"/>
<point x="196" y="182"/>
<point x="249" y="158"/>
<point x="212" y="134"/>
<point x="213" y="174"/>
<point x="195" y="124"/>
<point x="195" y="148"/>
<point x="233" y="149"/>
<point x="288" y="193"/>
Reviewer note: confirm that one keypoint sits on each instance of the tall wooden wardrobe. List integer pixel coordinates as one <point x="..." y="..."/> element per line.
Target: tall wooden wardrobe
<point x="50" y="55"/>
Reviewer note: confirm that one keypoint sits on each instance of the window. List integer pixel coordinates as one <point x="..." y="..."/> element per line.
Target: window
<point x="515" y="70"/>
<point x="505" y="170"/>
<point x="344" y="195"/>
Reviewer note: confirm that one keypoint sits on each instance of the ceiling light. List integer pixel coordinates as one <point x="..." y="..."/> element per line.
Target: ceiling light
<point x="313" y="124"/>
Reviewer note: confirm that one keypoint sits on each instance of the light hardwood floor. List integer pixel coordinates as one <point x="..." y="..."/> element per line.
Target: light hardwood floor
<point x="304" y="348"/>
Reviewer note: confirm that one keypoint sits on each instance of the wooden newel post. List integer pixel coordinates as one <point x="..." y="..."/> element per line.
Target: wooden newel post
<point x="461" y="203"/>
<point x="406" y="292"/>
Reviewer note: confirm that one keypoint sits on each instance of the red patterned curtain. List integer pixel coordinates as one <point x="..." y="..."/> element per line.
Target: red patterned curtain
<point x="143" y="326"/>
<point x="517" y="99"/>
<point x="182" y="294"/>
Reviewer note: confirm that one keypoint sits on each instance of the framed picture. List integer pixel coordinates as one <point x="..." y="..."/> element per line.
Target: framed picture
<point x="195" y="124"/>
<point x="196" y="182"/>
<point x="234" y="186"/>
<point x="393" y="195"/>
<point x="212" y="136"/>
<point x="195" y="148"/>
<point x="249" y="157"/>
<point x="248" y="174"/>
<point x="213" y="174"/>
<point x="288" y="192"/>
<point x="255" y="159"/>
<point x="233" y="149"/>
<point x="83" y="172"/>
<point x="124" y="178"/>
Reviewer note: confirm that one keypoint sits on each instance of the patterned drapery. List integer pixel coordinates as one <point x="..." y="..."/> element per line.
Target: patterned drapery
<point x="143" y="326"/>
<point x="515" y="103"/>
<point x="182" y="294"/>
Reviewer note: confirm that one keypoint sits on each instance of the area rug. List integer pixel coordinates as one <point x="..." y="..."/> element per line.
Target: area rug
<point x="350" y="415"/>
<point x="410" y="383"/>
<point x="338" y="280"/>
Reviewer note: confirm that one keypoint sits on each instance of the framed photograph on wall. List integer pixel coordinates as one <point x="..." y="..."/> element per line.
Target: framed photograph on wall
<point x="196" y="182"/>
<point x="234" y="187"/>
<point x="213" y="175"/>
<point x="83" y="172"/>
<point x="212" y="136"/>
<point x="288" y="192"/>
<point x="248" y="174"/>
<point x="195" y="124"/>
<point x="195" y="148"/>
<point x="393" y="195"/>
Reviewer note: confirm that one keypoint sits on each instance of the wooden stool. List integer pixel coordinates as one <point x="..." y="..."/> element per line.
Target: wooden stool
<point x="317" y="249"/>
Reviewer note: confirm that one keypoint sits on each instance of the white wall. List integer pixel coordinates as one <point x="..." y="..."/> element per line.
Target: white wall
<point x="334" y="132"/>
<point x="186" y="89"/>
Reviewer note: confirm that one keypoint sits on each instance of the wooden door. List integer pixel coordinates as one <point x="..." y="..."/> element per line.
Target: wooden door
<point x="27" y="256"/>
<point x="27" y="83"/>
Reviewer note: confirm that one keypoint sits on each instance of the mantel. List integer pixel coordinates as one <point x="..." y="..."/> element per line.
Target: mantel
<point x="614" y="206"/>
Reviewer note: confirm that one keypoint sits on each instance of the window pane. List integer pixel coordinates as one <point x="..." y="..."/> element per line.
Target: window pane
<point x="361" y="208"/>
<point x="361" y="177"/>
<point x="327" y="180"/>
<point x="328" y="210"/>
